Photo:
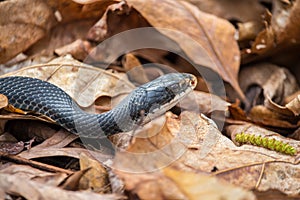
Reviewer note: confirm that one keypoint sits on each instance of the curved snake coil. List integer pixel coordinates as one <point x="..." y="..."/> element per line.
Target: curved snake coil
<point x="145" y="102"/>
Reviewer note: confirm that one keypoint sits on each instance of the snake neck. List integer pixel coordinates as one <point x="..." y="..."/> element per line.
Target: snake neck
<point x="100" y="125"/>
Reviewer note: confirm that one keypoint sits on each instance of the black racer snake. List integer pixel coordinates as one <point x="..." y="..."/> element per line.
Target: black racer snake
<point x="145" y="102"/>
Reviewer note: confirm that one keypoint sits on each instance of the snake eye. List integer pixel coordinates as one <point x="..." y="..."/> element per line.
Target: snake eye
<point x="193" y="83"/>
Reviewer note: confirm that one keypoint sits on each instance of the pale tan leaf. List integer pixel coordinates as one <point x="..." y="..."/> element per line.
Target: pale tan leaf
<point x="294" y="105"/>
<point x="82" y="82"/>
<point x="206" y="187"/>
<point x="3" y="101"/>
<point x="33" y="190"/>
<point x="150" y="185"/>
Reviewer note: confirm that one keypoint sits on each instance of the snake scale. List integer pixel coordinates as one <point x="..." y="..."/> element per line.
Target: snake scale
<point x="144" y="103"/>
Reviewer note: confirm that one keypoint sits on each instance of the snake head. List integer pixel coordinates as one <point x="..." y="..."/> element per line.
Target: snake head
<point x="156" y="97"/>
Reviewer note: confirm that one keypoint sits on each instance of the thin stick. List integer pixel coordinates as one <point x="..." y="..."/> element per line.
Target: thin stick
<point x="260" y="176"/>
<point x="35" y="164"/>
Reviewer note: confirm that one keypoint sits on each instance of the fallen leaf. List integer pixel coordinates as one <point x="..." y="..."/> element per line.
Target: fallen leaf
<point x="281" y="34"/>
<point x="79" y="49"/>
<point x="248" y="31"/>
<point x="206" y="102"/>
<point x="204" y="186"/>
<point x="31" y="19"/>
<point x="242" y="11"/>
<point x="276" y="82"/>
<point x="11" y="148"/>
<point x="134" y="69"/>
<point x="3" y="101"/>
<point x="294" y="105"/>
<point x="285" y="22"/>
<point x="191" y="143"/>
<point x="117" y="14"/>
<point x="190" y="30"/>
<point x="72" y="181"/>
<point x="12" y="184"/>
<point x="202" y="31"/>
<point x="30" y="173"/>
<point x="96" y="177"/>
<point x="261" y="115"/>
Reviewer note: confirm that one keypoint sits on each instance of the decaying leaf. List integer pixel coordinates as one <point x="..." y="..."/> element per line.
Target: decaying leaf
<point x="29" y="189"/>
<point x="30" y="173"/>
<point x="266" y="86"/>
<point x="209" y="41"/>
<point x="280" y="34"/>
<point x="72" y="181"/>
<point x="294" y="105"/>
<point x="96" y="177"/>
<point x="189" y="29"/>
<point x="134" y="69"/>
<point x="191" y="143"/>
<point x="11" y="147"/>
<point x="79" y="49"/>
<point x="204" y="186"/>
<point x="275" y="82"/>
<point x="150" y="185"/>
<point x="3" y="101"/>
<point x="242" y="11"/>
<point x="31" y="19"/>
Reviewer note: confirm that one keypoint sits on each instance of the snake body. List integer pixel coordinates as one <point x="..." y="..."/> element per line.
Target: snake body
<point x="143" y="103"/>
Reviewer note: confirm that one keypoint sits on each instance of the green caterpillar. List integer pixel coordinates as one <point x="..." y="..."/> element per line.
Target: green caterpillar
<point x="268" y="143"/>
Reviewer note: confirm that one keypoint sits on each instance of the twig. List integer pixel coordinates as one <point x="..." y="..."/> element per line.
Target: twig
<point x="35" y="164"/>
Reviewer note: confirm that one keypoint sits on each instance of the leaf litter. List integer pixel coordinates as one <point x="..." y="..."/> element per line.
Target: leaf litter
<point x="252" y="45"/>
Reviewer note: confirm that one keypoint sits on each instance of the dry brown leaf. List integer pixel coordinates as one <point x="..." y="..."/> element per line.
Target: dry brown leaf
<point x="267" y="86"/>
<point x="189" y="29"/>
<point x="242" y="11"/>
<point x="281" y="35"/>
<point x="11" y="147"/>
<point x="72" y="181"/>
<point x="141" y="42"/>
<point x="206" y="102"/>
<point x="204" y="186"/>
<point x="214" y="35"/>
<point x="96" y="177"/>
<point x="30" y="173"/>
<point x="263" y="116"/>
<point x="62" y="23"/>
<point x="29" y="22"/>
<point x="79" y="49"/>
<point x="12" y="184"/>
<point x="150" y="185"/>
<point x="276" y="82"/>
<point x="264" y="42"/>
<point x="134" y="69"/>
<point x="3" y="101"/>
<point x="249" y="30"/>
<point x="294" y="105"/>
<point x="191" y="143"/>
<point x="285" y="22"/>
<point x="114" y="21"/>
